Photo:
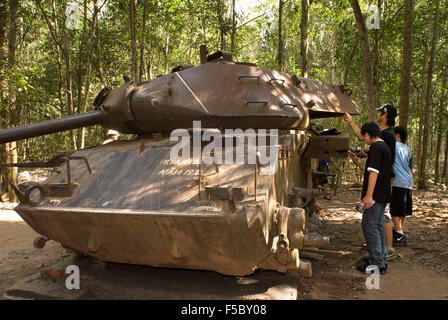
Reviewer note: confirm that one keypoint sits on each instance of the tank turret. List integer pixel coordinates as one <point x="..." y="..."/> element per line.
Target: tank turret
<point x="220" y="93"/>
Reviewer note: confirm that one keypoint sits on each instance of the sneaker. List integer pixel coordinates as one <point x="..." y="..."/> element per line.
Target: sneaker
<point x="383" y="270"/>
<point x="391" y="255"/>
<point x="401" y="240"/>
<point x="394" y="234"/>
<point x="363" y="267"/>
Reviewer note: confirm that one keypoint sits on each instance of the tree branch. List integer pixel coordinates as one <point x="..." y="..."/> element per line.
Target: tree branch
<point x="385" y="27"/>
<point x="51" y="28"/>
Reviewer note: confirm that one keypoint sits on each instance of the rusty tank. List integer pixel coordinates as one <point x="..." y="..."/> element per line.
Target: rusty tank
<point x="130" y="202"/>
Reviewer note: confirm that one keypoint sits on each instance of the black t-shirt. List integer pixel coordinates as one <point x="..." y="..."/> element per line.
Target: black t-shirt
<point x="379" y="160"/>
<point x="388" y="136"/>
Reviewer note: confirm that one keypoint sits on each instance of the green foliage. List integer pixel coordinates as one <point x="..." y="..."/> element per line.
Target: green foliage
<point x="173" y="31"/>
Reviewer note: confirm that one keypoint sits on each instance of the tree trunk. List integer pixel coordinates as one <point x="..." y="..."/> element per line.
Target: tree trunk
<point x="68" y="77"/>
<point x="438" y="147"/>
<point x="232" y="35"/>
<point x="349" y="63"/>
<point x="407" y="63"/>
<point x="375" y="56"/>
<point x="366" y="58"/>
<point x="445" y="162"/>
<point x="99" y="57"/>
<point x="3" y="36"/>
<point x="7" y="92"/>
<point x="133" y="23"/>
<point x="58" y="53"/>
<point x="167" y="46"/>
<point x="442" y="114"/>
<point x="222" y="45"/>
<point x="423" y="95"/>
<point x="304" y="38"/>
<point x="80" y="70"/>
<point x="428" y="98"/>
<point x="280" y="36"/>
<point x="12" y="42"/>
<point x="89" y="69"/>
<point x="11" y="148"/>
<point x="3" y="60"/>
<point x="65" y="48"/>
<point x="149" y="64"/>
<point x="3" y="89"/>
<point x="422" y="102"/>
<point x="143" y="42"/>
<point x="3" y="57"/>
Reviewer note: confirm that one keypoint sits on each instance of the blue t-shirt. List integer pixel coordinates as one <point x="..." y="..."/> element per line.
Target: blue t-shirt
<point x="403" y="175"/>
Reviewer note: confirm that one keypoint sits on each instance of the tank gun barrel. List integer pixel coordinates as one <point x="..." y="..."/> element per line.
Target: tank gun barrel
<point x="51" y="126"/>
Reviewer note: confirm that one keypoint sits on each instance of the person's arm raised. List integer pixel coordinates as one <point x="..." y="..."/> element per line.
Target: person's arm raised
<point x="353" y="125"/>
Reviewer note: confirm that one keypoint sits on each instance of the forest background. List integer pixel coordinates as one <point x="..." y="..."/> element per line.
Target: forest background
<point x="55" y="56"/>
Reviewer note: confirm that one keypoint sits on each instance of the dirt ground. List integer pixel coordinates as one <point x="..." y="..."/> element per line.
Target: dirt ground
<point x="421" y="272"/>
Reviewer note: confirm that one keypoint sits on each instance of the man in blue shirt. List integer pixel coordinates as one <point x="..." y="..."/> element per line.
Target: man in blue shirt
<point x="401" y="204"/>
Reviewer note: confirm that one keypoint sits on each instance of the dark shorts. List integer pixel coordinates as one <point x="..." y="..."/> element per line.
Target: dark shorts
<point x="401" y="204"/>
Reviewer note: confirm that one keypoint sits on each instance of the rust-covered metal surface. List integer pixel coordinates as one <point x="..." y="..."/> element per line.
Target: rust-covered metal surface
<point x="223" y="94"/>
<point x="141" y="208"/>
<point x="129" y="202"/>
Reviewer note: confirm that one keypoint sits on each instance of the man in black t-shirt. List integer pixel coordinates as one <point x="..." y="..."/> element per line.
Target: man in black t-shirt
<point x="386" y="115"/>
<point x="386" y="120"/>
<point x="375" y="195"/>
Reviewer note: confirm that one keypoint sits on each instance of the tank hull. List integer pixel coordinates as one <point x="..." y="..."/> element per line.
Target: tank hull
<point x="137" y="206"/>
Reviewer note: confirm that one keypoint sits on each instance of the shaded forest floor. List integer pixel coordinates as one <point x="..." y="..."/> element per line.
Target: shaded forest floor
<point x="421" y="272"/>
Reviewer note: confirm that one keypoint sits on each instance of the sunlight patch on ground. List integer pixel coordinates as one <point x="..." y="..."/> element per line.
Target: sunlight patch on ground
<point x="10" y="216"/>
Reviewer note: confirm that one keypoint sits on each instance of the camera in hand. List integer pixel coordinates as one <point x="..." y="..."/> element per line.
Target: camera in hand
<point x="360" y="206"/>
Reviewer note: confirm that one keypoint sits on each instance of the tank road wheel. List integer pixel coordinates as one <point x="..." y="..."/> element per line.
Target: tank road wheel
<point x="40" y="242"/>
<point x="34" y="194"/>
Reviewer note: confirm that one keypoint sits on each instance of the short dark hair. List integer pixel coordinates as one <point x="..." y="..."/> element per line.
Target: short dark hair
<point x="371" y="128"/>
<point x="402" y="132"/>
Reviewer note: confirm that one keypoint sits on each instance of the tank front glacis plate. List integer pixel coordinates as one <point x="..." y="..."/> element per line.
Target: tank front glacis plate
<point x="140" y="207"/>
